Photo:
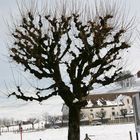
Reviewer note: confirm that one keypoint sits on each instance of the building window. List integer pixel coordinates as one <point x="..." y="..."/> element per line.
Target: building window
<point x="128" y="101"/>
<point x="91" y="110"/>
<point x="92" y="115"/>
<point x="113" y="113"/>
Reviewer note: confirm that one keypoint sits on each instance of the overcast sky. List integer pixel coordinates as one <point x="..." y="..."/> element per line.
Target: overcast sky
<point x="9" y="6"/>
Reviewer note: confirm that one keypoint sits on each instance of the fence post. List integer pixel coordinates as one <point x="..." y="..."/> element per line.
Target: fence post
<point x="137" y="137"/>
<point x="20" y="131"/>
<point x="130" y="133"/>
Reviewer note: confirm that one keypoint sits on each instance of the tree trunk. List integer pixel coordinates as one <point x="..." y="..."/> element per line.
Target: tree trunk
<point x="74" y="124"/>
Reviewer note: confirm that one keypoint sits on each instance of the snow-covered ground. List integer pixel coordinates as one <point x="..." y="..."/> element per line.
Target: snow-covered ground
<point x="103" y="132"/>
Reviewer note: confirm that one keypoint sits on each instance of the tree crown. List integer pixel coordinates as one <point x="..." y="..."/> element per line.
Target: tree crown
<point x="73" y="50"/>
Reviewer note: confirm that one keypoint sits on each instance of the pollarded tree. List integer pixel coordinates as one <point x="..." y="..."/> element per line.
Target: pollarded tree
<point x="75" y="50"/>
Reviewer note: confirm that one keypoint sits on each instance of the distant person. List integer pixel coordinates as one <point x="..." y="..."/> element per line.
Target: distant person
<point x="87" y="138"/>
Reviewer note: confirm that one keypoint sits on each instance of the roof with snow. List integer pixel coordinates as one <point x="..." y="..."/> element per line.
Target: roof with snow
<point x="131" y="85"/>
<point x="107" y="100"/>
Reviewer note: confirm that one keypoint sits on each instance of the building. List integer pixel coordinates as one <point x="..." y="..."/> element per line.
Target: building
<point x="111" y="104"/>
<point x="113" y="99"/>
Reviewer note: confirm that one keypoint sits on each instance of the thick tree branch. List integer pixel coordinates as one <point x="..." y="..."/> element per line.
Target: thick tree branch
<point x="39" y="98"/>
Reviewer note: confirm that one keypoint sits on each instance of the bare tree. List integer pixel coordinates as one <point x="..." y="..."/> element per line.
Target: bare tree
<point x="1" y="125"/>
<point x="125" y="79"/>
<point x="33" y="121"/>
<point x="17" y="122"/>
<point x="45" y="118"/>
<point x="53" y="119"/>
<point x="6" y="123"/>
<point x="101" y="114"/>
<point x="123" y="112"/>
<point x="72" y="49"/>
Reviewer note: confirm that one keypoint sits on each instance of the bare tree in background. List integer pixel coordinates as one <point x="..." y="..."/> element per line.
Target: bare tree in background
<point x="32" y="121"/>
<point x="45" y="118"/>
<point x="125" y="79"/>
<point x="73" y="47"/>
<point x="124" y="112"/>
<point x="101" y="114"/>
<point x="6" y="123"/>
<point x="53" y="119"/>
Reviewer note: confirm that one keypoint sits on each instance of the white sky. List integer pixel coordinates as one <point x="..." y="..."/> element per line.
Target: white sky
<point x="8" y="6"/>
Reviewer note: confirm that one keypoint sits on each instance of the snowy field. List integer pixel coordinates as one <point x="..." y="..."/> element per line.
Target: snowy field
<point x="103" y="132"/>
